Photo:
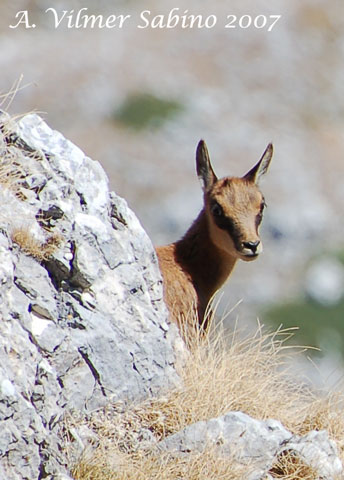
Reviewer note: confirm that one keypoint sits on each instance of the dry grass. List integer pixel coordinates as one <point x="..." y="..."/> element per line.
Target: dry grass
<point x="13" y="155"/>
<point x="29" y="244"/>
<point x="13" y="150"/>
<point x="290" y="467"/>
<point x="225" y="373"/>
<point x="165" y="467"/>
<point x="11" y="172"/>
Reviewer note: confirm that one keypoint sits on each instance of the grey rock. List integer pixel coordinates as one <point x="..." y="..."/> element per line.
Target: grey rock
<point x="318" y="451"/>
<point x="34" y="281"/>
<point x="257" y="444"/>
<point x="84" y="327"/>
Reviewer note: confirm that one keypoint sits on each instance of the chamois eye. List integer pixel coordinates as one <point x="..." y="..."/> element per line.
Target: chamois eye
<point x="217" y="210"/>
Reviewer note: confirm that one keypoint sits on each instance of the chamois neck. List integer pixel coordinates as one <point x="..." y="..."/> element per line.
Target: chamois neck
<point x="208" y="265"/>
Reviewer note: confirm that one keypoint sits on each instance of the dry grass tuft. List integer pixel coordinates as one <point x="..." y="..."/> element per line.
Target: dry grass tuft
<point x="29" y="244"/>
<point x="11" y="172"/>
<point x="115" y="465"/>
<point x="227" y="373"/>
<point x="289" y="466"/>
<point x="13" y="154"/>
<point x="222" y="374"/>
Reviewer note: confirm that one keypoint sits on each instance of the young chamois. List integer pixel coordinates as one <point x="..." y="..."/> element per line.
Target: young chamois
<point x="226" y="230"/>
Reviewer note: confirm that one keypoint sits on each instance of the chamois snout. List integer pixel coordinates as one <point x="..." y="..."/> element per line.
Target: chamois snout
<point x="252" y="249"/>
<point x="242" y="241"/>
<point x="246" y="239"/>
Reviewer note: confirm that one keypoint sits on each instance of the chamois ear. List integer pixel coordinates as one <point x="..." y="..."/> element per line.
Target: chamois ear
<point x="261" y="167"/>
<point x="205" y="171"/>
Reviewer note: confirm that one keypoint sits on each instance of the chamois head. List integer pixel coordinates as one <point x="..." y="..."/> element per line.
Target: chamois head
<point x="233" y="206"/>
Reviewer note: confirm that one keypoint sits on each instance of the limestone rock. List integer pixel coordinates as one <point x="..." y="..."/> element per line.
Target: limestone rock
<point x="257" y="444"/>
<point x="83" y="324"/>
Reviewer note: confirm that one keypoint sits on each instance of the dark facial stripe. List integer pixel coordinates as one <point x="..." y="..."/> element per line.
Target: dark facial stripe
<point x="259" y="219"/>
<point x="227" y="224"/>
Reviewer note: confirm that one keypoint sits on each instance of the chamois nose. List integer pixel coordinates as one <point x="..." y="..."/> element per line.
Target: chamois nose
<point x="252" y="246"/>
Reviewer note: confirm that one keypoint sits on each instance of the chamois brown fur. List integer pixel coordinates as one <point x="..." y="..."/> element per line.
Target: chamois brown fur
<point x="226" y="230"/>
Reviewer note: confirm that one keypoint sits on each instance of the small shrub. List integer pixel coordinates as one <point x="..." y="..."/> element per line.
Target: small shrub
<point x="144" y="110"/>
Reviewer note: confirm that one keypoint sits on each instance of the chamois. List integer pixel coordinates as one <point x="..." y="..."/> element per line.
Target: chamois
<point x="226" y="230"/>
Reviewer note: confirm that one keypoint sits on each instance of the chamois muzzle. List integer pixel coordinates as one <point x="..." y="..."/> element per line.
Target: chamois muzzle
<point x="251" y="249"/>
